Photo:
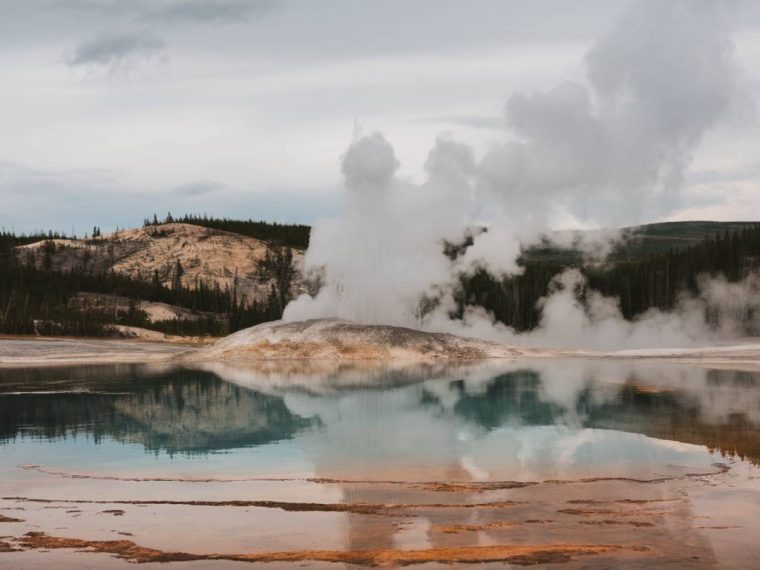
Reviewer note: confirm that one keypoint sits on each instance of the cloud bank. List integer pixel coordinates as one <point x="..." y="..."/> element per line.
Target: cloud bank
<point x="206" y="11"/>
<point x="116" y="52"/>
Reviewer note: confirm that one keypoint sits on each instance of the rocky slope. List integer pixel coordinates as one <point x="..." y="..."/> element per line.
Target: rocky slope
<point x="331" y="339"/>
<point x="115" y="304"/>
<point x="212" y="256"/>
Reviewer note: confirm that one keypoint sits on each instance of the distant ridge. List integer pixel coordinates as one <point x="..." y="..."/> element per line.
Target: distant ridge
<point x="638" y="241"/>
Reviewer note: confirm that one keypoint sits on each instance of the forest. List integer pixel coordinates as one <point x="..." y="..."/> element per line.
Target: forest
<point x="644" y="281"/>
<point x="38" y="300"/>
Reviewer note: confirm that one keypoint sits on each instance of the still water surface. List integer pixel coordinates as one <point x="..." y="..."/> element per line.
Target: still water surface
<point x="521" y="424"/>
<point x="575" y="430"/>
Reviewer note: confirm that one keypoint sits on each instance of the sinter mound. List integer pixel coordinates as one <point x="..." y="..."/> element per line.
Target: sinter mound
<point x="344" y="340"/>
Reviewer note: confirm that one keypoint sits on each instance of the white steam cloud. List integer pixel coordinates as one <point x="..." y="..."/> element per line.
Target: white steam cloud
<point x="608" y="152"/>
<point x="720" y="310"/>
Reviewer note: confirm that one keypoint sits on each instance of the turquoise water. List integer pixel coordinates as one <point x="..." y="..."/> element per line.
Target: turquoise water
<point x="532" y="422"/>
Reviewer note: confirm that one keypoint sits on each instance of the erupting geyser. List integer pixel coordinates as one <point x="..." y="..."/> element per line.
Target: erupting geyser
<point x="355" y="280"/>
<point x="375" y="261"/>
<point x="606" y="150"/>
<point x="364" y="296"/>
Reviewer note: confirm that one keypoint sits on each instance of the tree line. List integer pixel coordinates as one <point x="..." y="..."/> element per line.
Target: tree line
<point x="650" y="281"/>
<point x="292" y="235"/>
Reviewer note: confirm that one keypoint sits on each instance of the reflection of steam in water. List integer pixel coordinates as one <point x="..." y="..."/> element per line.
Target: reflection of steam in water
<point x="525" y="414"/>
<point x="438" y="432"/>
<point x="465" y="426"/>
<point x="484" y="420"/>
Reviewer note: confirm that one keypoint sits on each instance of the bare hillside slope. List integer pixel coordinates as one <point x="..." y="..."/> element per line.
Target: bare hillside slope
<point x="208" y="255"/>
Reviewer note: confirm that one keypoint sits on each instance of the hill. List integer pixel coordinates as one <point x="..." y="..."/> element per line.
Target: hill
<point x="171" y="253"/>
<point x="663" y="237"/>
<point x="634" y="241"/>
<point x="176" y="278"/>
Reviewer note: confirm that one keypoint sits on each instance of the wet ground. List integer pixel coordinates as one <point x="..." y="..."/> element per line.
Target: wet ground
<point x="580" y="464"/>
<point x="21" y="351"/>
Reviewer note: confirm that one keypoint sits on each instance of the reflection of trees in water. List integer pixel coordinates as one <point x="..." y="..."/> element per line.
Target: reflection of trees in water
<point x="202" y="415"/>
<point x="721" y="415"/>
<point x="188" y="411"/>
<point x="96" y="377"/>
<point x="509" y="399"/>
<point x="179" y="412"/>
<point x="676" y="417"/>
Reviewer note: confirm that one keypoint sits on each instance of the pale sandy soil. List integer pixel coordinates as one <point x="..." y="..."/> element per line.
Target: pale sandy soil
<point x="332" y="339"/>
<point x="138" y="333"/>
<point x="338" y="341"/>
<point x="344" y="341"/>
<point x="47" y="351"/>
<point x="743" y="355"/>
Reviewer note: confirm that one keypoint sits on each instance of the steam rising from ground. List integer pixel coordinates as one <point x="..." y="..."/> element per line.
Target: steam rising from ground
<point x="609" y="151"/>
<point x="721" y="310"/>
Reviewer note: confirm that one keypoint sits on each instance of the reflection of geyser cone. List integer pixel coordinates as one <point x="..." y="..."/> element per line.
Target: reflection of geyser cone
<point x="363" y="286"/>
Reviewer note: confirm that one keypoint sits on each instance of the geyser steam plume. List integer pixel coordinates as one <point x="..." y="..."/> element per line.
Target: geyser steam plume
<point x="606" y="152"/>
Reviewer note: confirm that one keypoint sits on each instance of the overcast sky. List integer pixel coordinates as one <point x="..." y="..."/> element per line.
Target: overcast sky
<point x="111" y="110"/>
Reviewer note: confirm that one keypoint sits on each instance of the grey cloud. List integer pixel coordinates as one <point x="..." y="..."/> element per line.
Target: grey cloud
<point x="208" y="11"/>
<point x="116" y="51"/>
<point x="21" y="179"/>
<point x="41" y="199"/>
<point x="119" y="51"/>
<point x="240" y="99"/>
<point x="473" y="121"/>
<point x="192" y="11"/>
<point x="94" y="7"/>
<point x="745" y="172"/>
<point x="198" y="188"/>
